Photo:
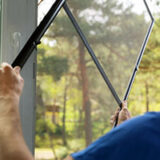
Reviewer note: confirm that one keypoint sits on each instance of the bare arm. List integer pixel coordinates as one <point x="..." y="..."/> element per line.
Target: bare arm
<point x="12" y="144"/>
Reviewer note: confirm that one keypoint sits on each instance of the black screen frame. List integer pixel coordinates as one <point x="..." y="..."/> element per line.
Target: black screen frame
<point x="36" y="36"/>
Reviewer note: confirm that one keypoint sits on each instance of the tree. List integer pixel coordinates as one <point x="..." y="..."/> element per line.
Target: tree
<point x="113" y="19"/>
<point x="146" y="84"/>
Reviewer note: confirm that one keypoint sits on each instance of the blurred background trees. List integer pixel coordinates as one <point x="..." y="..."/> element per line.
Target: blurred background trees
<point x="74" y="104"/>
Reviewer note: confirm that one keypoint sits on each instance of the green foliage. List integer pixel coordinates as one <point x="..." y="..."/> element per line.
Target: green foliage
<point x="151" y="58"/>
<point x="54" y="65"/>
<point x="62" y="152"/>
<point x="42" y="142"/>
<point x="59" y="80"/>
<point x="44" y="126"/>
<point x="148" y="74"/>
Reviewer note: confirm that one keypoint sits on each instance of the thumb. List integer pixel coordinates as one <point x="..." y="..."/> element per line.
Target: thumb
<point x="17" y="69"/>
<point x="124" y="104"/>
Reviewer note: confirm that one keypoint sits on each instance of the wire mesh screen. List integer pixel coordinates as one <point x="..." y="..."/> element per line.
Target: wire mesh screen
<point x="116" y="30"/>
<point x="73" y="101"/>
<point x="85" y="84"/>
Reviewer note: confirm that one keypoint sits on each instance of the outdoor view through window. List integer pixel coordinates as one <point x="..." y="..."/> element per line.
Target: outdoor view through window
<point x="74" y="104"/>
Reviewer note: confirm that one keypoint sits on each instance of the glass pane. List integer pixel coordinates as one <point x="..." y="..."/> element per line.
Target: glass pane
<point x="115" y="30"/>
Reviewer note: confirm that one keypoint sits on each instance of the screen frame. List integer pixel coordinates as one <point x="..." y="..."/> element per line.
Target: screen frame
<point x="36" y="36"/>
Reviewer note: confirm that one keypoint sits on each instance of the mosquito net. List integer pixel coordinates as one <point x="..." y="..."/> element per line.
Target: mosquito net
<point x="68" y="79"/>
<point x="116" y="30"/>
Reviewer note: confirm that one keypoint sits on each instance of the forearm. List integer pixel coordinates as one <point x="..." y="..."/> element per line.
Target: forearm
<point x="12" y="144"/>
<point x="14" y="148"/>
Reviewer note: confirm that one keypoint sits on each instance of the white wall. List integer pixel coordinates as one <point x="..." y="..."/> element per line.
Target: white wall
<point x="19" y="18"/>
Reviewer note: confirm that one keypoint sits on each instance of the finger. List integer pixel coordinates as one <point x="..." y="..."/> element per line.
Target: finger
<point x="124" y="110"/>
<point x="112" y="120"/>
<point x="124" y="104"/>
<point x="4" y="64"/>
<point x="117" y="111"/>
<point x="113" y="117"/>
<point x="17" y="69"/>
<point x="115" y="114"/>
<point x="6" y="67"/>
<point x="125" y="114"/>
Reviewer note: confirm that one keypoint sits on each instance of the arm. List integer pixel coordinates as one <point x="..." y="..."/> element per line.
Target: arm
<point x="12" y="144"/>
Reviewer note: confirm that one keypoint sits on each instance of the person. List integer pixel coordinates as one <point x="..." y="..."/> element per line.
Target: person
<point x="122" y="115"/>
<point x="135" y="139"/>
<point x="12" y="144"/>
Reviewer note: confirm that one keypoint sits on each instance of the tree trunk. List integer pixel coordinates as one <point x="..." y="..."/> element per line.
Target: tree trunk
<point x="53" y="148"/>
<point x="39" y="101"/>
<point x="64" y="117"/>
<point x="147" y="96"/>
<point x="85" y="93"/>
<point x="80" y="122"/>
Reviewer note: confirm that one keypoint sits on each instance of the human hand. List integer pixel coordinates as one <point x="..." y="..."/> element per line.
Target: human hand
<point x="11" y="82"/>
<point x="68" y="158"/>
<point x="12" y="144"/>
<point x="11" y="85"/>
<point x="122" y="114"/>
